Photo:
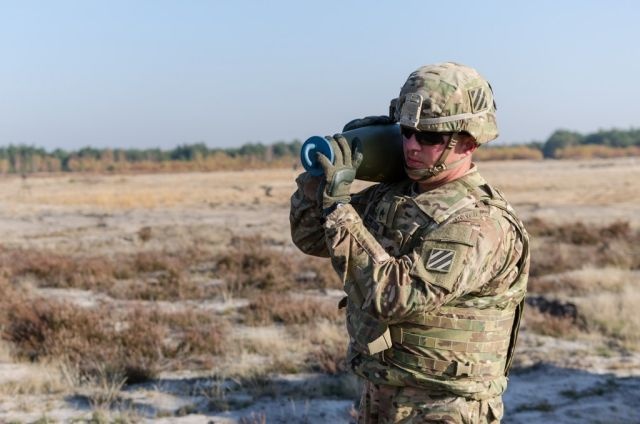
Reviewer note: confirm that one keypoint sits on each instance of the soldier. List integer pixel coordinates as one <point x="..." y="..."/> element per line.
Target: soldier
<point x="434" y="267"/>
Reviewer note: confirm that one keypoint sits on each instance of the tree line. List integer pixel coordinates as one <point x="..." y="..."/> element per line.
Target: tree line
<point x="564" y="139"/>
<point x="565" y="144"/>
<point x="197" y="156"/>
<point x="562" y="144"/>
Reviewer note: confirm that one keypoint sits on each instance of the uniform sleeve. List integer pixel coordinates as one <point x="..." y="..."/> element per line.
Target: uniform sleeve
<point x="455" y="259"/>
<point x="305" y="216"/>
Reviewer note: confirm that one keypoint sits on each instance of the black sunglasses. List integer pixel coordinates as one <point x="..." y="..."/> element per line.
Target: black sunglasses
<point x="426" y="138"/>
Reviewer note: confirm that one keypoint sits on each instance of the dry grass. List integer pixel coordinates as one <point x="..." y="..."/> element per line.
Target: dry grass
<point x="329" y="351"/>
<point x="580" y="282"/>
<point x="251" y="265"/>
<point x="269" y="308"/>
<point x="41" y="329"/>
<point x="580" y="233"/>
<point x="258" y="352"/>
<point x="134" y="346"/>
<point x="561" y="247"/>
<point x="613" y="315"/>
<point x="48" y="377"/>
<point x="562" y="192"/>
<point x="318" y="346"/>
<point x="596" y="151"/>
<point x="549" y="325"/>
<point x="508" y="153"/>
<point x="146" y="275"/>
<point x="595" y="268"/>
<point x="150" y="191"/>
<point x="185" y="249"/>
<point x="109" y="345"/>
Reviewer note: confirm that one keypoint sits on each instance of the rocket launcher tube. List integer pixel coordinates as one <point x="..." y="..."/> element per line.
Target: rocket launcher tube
<point x="381" y="147"/>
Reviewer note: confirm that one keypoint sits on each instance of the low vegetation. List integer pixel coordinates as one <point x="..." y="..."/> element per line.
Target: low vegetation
<point x="268" y="308"/>
<point x="590" y="270"/>
<point x="138" y="341"/>
<point x="158" y="310"/>
<point x="21" y="159"/>
<point x="565" y="247"/>
<point x="134" y="344"/>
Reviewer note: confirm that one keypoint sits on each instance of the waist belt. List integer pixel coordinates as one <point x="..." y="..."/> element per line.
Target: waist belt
<point x="451" y="368"/>
<point x="402" y="337"/>
<point x="489" y="320"/>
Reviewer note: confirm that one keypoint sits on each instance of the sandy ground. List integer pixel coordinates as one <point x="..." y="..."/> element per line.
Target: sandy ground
<point x="556" y="380"/>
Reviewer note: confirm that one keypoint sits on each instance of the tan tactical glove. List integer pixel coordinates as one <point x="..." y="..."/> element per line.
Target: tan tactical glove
<point x="339" y="175"/>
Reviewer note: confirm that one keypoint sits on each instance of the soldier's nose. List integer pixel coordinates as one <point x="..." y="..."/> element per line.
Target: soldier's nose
<point x="411" y="144"/>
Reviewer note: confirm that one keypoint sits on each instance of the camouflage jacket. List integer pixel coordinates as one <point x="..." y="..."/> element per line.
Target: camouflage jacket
<point x="435" y="281"/>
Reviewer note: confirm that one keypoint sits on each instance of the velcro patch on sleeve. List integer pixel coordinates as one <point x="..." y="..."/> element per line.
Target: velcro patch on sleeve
<point x="440" y="260"/>
<point x="443" y="253"/>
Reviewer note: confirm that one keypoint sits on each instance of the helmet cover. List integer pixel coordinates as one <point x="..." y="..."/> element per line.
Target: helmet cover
<point x="447" y="97"/>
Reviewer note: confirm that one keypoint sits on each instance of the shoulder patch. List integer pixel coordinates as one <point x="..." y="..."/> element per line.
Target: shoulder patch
<point x="443" y="256"/>
<point x="440" y="260"/>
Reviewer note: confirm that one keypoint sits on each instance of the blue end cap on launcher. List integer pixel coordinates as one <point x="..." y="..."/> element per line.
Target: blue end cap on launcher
<point x="308" y="152"/>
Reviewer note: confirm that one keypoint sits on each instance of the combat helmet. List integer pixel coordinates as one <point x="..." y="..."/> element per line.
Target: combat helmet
<point x="446" y="97"/>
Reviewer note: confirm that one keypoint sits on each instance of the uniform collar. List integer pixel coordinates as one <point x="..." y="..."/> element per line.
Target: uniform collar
<point x="442" y="202"/>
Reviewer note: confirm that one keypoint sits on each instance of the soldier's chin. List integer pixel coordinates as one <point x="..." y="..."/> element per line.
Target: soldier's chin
<point x="414" y="174"/>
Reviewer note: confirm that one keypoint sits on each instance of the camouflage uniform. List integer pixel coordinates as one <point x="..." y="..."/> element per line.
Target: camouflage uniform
<point x="435" y="286"/>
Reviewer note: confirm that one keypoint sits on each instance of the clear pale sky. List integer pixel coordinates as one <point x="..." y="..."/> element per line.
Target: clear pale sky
<point x="140" y="74"/>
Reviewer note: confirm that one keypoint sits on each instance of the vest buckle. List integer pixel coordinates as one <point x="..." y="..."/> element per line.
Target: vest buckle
<point x="463" y="370"/>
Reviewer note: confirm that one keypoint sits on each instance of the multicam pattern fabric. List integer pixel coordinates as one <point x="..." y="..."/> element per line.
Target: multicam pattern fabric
<point x="442" y="325"/>
<point x="447" y="97"/>
<point x="389" y="404"/>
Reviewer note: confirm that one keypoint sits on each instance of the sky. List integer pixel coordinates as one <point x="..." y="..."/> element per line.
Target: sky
<point x="156" y="73"/>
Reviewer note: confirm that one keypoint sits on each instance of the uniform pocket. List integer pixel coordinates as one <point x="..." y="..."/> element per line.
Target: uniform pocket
<point x="496" y="410"/>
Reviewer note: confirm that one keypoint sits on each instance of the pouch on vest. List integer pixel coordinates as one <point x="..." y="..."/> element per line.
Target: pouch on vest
<point x="443" y="255"/>
<point x="368" y="334"/>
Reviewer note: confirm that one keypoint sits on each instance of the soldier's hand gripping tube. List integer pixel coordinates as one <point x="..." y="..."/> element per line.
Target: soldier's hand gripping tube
<point x="381" y="147"/>
<point x="340" y="172"/>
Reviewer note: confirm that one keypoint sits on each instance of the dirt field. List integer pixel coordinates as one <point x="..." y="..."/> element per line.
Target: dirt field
<point x="187" y="286"/>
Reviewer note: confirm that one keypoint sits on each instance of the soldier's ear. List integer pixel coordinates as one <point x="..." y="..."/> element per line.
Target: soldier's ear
<point x="466" y="144"/>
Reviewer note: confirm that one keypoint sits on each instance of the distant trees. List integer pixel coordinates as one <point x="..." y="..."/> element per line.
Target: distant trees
<point x="21" y="159"/>
<point x="186" y="157"/>
<point x="559" y="140"/>
<point x="612" y="143"/>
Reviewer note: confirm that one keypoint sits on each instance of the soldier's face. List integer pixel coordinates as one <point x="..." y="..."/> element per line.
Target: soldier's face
<point x="423" y="151"/>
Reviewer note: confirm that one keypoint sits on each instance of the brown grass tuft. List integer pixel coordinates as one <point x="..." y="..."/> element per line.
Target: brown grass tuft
<point x="134" y="345"/>
<point x="584" y="281"/>
<point x="329" y="352"/>
<point x="250" y="265"/>
<point x="253" y="265"/>
<point x="507" y="153"/>
<point x="549" y="325"/>
<point x="580" y="233"/>
<point x="57" y="270"/>
<point x="559" y="248"/>
<point x="148" y="275"/>
<point x="268" y="308"/>
<point x="613" y="315"/>
<point x="42" y="329"/>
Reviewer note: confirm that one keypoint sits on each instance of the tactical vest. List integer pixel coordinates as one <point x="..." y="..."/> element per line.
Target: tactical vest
<point x="469" y="340"/>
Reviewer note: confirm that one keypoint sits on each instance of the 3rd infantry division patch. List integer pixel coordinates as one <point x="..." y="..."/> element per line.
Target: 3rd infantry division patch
<point x="440" y="260"/>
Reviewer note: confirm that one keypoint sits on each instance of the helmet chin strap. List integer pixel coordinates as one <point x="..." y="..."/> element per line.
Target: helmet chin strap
<point x="426" y="173"/>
